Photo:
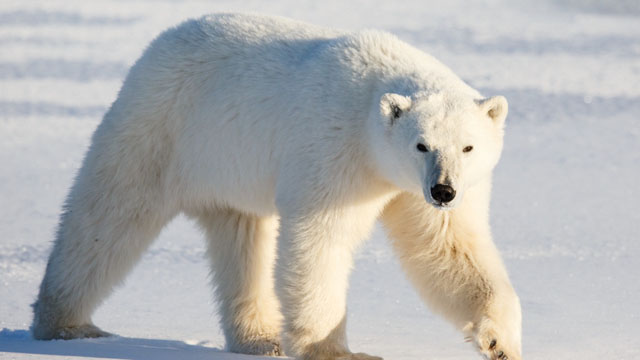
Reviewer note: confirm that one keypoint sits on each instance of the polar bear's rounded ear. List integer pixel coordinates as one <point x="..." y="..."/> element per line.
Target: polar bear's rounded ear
<point x="393" y="105"/>
<point x="496" y="108"/>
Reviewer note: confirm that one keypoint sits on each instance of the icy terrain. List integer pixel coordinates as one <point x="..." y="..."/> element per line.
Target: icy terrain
<point x="565" y="204"/>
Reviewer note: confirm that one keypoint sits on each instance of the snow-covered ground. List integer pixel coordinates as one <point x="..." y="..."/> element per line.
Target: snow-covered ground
<point x="566" y="197"/>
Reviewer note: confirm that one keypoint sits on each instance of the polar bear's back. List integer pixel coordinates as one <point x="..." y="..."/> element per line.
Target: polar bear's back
<point x="246" y="40"/>
<point x="249" y="28"/>
<point x="235" y="93"/>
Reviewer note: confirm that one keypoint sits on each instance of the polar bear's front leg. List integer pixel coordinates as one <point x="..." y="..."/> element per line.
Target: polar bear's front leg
<point x="452" y="261"/>
<point x="314" y="260"/>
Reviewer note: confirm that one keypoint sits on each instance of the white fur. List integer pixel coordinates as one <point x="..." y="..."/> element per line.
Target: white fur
<point x="251" y="123"/>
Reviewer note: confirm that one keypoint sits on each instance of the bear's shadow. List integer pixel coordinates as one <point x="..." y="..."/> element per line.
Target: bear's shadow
<point x="21" y="342"/>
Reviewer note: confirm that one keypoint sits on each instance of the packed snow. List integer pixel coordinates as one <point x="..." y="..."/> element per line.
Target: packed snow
<point x="565" y="202"/>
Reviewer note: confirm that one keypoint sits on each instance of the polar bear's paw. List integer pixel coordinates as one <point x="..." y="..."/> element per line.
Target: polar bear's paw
<point x="71" y="332"/>
<point x="493" y="351"/>
<point x="266" y="346"/>
<point x="493" y="343"/>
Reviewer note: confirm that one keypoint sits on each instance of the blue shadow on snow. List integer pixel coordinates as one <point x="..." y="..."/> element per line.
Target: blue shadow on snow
<point x="21" y="342"/>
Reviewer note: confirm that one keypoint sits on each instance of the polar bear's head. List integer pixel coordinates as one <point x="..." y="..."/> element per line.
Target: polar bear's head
<point x="438" y="145"/>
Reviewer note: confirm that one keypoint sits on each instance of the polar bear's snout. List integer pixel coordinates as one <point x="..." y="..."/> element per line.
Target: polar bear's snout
<point x="442" y="186"/>
<point x="443" y="193"/>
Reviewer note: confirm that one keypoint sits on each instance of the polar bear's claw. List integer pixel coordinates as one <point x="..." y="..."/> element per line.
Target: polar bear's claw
<point x="492" y="344"/>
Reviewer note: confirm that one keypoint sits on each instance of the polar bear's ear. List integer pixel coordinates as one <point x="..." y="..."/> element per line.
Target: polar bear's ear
<point x="496" y="108"/>
<point x="393" y="105"/>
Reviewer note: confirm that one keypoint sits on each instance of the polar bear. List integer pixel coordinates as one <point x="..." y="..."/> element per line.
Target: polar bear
<point x="285" y="140"/>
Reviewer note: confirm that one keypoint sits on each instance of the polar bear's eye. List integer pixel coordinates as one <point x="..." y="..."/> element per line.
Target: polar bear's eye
<point x="467" y="149"/>
<point x="422" y="148"/>
<point x="396" y="111"/>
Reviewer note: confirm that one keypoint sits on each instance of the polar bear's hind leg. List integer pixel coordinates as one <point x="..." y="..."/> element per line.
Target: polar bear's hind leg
<point x="116" y="208"/>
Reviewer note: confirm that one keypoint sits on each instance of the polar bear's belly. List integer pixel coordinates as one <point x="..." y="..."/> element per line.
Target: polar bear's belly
<point x="233" y="167"/>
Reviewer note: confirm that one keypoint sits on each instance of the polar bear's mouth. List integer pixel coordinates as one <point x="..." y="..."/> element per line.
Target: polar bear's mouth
<point x="438" y="205"/>
<point x="443" y="206"/>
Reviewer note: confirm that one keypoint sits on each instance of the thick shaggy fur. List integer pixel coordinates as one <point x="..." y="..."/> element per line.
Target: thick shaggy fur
<point x="267" y="129"/>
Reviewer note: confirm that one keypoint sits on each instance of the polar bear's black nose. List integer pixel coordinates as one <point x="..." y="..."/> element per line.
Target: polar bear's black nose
<point x="443" y="193"/>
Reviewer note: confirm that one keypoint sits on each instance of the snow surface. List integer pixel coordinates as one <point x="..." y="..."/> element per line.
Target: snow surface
<point x="565" y="203"/>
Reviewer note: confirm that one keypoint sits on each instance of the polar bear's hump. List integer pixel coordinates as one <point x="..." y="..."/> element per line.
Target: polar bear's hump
<point x="237" y="85"/>
<point x="250" y="27"/>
